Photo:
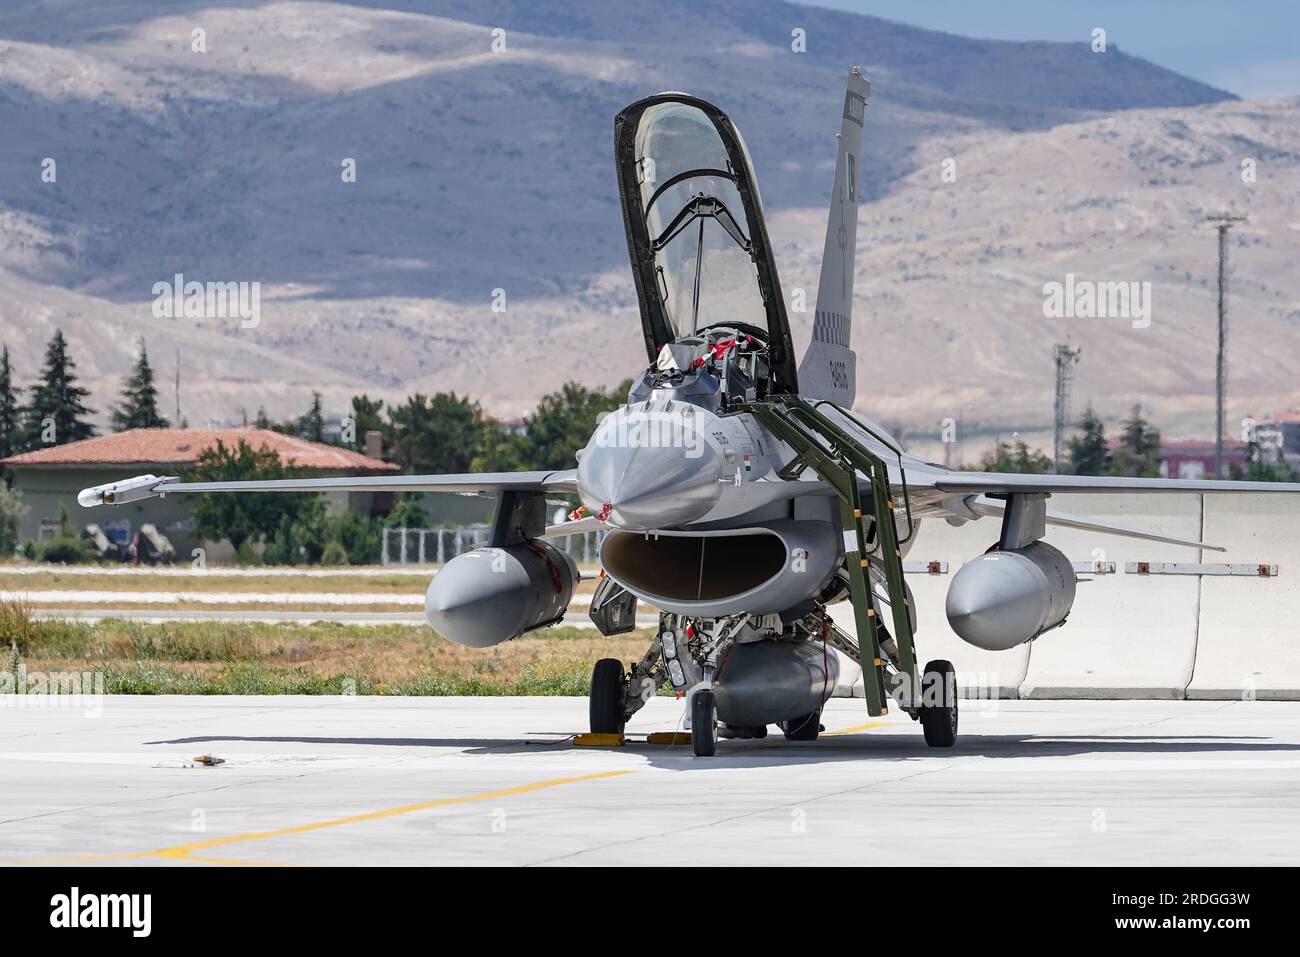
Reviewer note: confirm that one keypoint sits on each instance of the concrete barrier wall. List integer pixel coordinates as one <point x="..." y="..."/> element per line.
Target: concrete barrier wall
<point x="1135" y="636"/>
<point x="1129" y="636"/>
<point x="1249" y="640"/>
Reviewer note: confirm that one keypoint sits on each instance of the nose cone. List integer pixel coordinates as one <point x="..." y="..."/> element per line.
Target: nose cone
<point x="639" y="474"/>
<point x="996" y="601"/>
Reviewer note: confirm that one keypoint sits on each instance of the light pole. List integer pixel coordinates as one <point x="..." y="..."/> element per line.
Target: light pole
<point x="1222" y="222"/>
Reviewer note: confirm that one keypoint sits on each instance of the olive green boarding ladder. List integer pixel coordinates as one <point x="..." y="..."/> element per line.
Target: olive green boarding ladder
<point x="838" y="457"/>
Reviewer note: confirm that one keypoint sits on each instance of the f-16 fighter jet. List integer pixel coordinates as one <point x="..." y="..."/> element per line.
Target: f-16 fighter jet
<point x="740" y="493"/>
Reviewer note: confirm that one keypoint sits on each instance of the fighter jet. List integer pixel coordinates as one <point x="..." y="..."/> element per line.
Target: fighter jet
<point x="741" y="495"/>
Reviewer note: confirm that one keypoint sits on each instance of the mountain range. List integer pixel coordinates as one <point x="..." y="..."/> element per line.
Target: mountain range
<point x="480" y="136"/>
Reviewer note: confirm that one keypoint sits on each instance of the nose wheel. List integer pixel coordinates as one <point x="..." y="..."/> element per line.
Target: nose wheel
<point x="704" y="724"/>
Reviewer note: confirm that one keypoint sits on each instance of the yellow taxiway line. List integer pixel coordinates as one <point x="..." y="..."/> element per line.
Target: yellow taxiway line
<point x="184" y="852"/>
<point x="856" y="728"/>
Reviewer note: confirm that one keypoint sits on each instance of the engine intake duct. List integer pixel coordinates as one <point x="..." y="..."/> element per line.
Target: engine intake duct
<point x="762" y="569"/>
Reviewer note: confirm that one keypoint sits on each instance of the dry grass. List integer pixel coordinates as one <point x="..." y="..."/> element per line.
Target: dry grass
<point x="204" y="657"/>
<point x="391" y="584"/>
<point x="107" y="607"/>
<point x="17" y="627"/>
<point x="254" y="658"/>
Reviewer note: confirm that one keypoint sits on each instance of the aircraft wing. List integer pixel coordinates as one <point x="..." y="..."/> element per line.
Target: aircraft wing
<point x="149" y="486"/>
<point x="988" y="506"/>
<point x="969" y="495"/>
<point x="1000" y="483"/>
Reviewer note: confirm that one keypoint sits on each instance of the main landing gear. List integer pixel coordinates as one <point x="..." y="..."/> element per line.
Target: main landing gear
<point x="608" y="692"/>
<point x="939" y="704"/>
<point x="617" y="694"/>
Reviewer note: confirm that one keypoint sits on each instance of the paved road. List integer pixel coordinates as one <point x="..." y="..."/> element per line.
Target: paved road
<point x="498" y="781"/>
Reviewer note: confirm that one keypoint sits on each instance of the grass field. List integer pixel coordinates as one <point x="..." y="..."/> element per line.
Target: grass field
<point x="367" y="589"/>
<point x="208" y="582"/>
<point x="201" y="657"/>
<point x="378" y="606"/>
<point x="213" y="581"/>
<point x="321" y="658"/>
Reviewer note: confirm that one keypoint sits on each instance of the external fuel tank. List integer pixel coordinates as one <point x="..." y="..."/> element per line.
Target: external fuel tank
<point x="764" y="682"/>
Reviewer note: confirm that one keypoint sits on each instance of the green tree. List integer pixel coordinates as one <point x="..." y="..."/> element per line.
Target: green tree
<point x="1138" y="453"/>
<point x="1261" y="468"/>
<point x="299" y="426"/>
<point x="139" y="408"/>
<point x="1087" y="452"/>
<point x="12" y="511"/>
<point x="564" y="422"/>
<point x="9" y="422"/>
<point x="501" y="451"/>
<point x="367" y="416"/>
<point x="311" y="425"/>
<point x="245" y="515"/>
<point x="1016" y="457"/>
<point x="436" y="434"/>
<point x="56" y="413"/>
<point x="408" y="512"/>
<point x="301" y="537"/>
<point x="361" y="536"/>
<point x="334" y="553"/>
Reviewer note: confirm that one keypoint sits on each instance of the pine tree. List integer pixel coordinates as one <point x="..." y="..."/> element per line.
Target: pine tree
<point x="1087" y="452"/>
<point x="367" y="416"/>
<point x="9" y="425"/>
<point x="312" y="424"/>
<point x="1138" y="454"/>
<point x="56" y="413"/>
<point x="139" y="409"/>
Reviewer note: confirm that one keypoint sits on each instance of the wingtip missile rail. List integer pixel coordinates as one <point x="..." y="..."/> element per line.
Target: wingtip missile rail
<point x="119" y="493"/>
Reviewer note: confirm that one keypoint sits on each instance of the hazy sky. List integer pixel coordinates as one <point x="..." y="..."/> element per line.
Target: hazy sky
<point x="1248" y="48"/>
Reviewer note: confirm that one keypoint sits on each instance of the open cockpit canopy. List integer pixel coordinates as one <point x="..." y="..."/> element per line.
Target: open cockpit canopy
<point x="696" y="237"/>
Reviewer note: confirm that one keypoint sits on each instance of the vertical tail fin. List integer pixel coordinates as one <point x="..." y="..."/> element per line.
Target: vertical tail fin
<point x="829" y="367"/>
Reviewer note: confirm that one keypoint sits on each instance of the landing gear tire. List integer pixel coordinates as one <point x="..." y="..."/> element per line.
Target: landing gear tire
<point x="608" y="687"/>
<point x="805" y="728"/>
<point x="939" y="704"/>
<point x="704" y="724"/>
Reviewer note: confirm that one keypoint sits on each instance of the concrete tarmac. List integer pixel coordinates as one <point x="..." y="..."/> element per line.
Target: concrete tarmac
<point x="369" y="781"/>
